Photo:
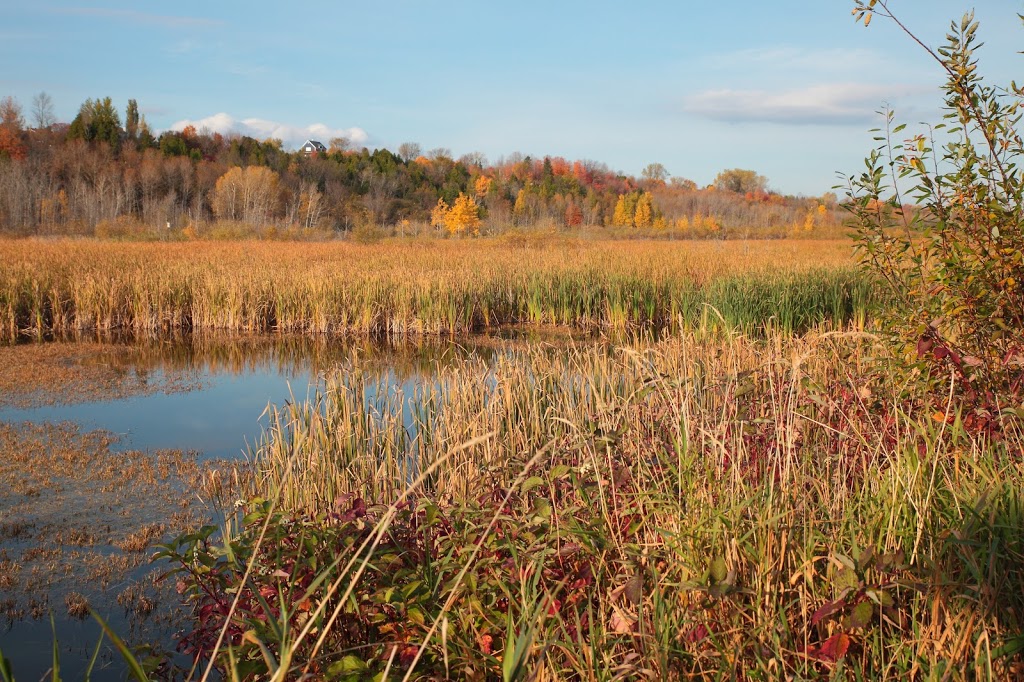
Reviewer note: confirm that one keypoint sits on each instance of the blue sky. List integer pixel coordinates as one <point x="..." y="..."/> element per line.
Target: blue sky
<point x="786" y="88"/>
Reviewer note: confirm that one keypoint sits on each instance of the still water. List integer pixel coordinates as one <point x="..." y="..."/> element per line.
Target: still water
<point x="206" y="396"/>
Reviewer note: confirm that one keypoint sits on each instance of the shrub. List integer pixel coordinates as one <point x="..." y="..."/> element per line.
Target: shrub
<point x="952" y="264"/>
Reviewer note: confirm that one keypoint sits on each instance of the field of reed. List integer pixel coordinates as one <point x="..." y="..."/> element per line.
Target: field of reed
<point x="424" y="287"/>
<point x="744" y="508"/>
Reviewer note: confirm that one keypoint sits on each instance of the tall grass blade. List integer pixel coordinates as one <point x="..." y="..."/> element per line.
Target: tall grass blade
<point x="134" y="667"/>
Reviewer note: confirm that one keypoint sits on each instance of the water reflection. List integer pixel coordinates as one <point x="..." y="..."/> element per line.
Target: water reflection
<point x="207" y="393"/>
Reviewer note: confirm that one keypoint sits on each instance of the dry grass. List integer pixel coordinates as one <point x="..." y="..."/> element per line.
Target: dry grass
<point x="745" y="482"/>
<point x="403" y="288"/>
<point x="77" y="604"/>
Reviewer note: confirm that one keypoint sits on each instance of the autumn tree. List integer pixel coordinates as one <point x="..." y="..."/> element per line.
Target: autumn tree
<point x="625" y="210"/>
<point x="310" y="208"/>
<point x="10" y="114"/>
<point x="11" y="146"/>
<point x="338" y="145"/>
<point x="654" y="173"/>
<point x="482" y="185"/>
<point x="643" y="214"/>
<point x="11" y="123"/>
<point x="250" y="195"/>
<point x="740" y="181"/>
<point x="573" y="214"/>
<point x="439" y="214"/>
<point x="527" y="207"/>
<point x="462" y="217"/>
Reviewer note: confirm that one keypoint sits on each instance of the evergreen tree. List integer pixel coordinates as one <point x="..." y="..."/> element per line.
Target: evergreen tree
<point x="97" y="120"/>
<point x="131" y="120"/>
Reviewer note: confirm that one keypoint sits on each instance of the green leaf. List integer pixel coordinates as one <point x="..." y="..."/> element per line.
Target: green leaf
<point x="1010" y="647"/>
<point x="861" y="615"/>
<point x="416" y="615"/>
<point x="432" y="512"/>
<point x="92" y="661"/>
<point x="531" y="483"/>
<point x="55" y="670"/>
<point x="846" y="579"/>
<point x="347" y="665"/>
<point x="6" y="674"/>
<point x="559" y="470"/>
<point x="719" y="571"/>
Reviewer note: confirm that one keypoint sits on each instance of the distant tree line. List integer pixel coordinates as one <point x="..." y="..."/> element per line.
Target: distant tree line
<point x="100" y="176"/>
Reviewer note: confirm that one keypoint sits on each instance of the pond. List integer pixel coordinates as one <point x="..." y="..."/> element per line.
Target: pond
<point x="106" y="447"/>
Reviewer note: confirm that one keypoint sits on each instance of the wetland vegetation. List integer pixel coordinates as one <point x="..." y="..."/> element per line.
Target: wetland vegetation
<point x="416" y="287"/>
<point x="735" y="460"/>
<point x="734" y="492"/>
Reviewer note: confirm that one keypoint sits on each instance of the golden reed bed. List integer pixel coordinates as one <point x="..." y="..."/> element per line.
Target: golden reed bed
<point x="414" y="287"/>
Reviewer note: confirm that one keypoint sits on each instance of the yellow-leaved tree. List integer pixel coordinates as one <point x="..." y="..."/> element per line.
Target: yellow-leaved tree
<point x="439" y="213"/>
<point x="622" y="215"/>
<point x="250" y="195"/>
<point x="643" y="215"/>
<point x="462" y="217"/>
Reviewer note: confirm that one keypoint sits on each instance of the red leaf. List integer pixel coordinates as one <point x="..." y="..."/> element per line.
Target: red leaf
<point x="696" y="634"/>
<point x="826" y="610"/>
<point x="407" y="655"/>
<point x="924" y="345"/>
<point x="831" y="650"/>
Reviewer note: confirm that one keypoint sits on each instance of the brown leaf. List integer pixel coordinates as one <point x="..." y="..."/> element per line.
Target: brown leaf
<point x="620" y="623"/>
<point x="634" y="589"/>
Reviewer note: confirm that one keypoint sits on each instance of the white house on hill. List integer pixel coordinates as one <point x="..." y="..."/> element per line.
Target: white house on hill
<point x="313" y="147"/>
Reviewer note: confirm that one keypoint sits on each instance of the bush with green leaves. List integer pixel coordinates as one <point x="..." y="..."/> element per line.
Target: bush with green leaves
<point x="938" y="218"/>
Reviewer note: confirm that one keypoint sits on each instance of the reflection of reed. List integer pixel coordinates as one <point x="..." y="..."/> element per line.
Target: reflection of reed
<point x="400" y="290"/>
<point x="295" y="354"/>
<point x="88" y="367"/>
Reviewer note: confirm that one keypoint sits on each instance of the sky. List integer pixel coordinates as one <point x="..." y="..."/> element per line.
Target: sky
<point x="788" y="88"/>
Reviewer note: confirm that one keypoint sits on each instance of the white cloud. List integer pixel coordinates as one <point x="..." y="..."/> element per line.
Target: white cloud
<point x="830" y="104"/>
<point x="259" y="128"/>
